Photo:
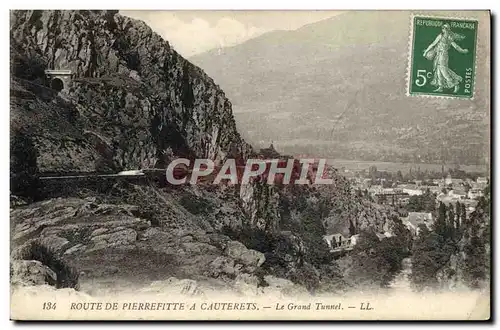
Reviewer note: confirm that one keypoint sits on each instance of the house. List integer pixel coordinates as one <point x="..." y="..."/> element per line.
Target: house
<point x="420" y="217"/>
<point x="457" y="193"/>
<point x="338" y="242"/>
<point x="469" y="181"/>
<point x="354" y="239"/>
<point x="482" y="180"/>
<point x="392" y="198"/>
<point x="412" y="191"/>
<point x="475" y="193"/>
<point x="430" y="188"/>
<point x="403" y="201"/>
<point x="450" y="181"/>
<point x="457" y="182"/>
<point x="388" y="191"/>
<point x="402" y="212"/>
<point x="335" y="240"/>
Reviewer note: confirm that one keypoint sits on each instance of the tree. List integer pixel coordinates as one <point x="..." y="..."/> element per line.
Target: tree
<point x="23" y="166"/>
<point x="458" y="215"/>
<point x="475" y="263"/>
<point x="450" y="224"/>
<point x="463" y="215"/>
<point x="477" y="236"/>
<point x="399" y="176"/>
<point x="429" y="201"/>
<point x="467" y="239"/>
<point x="440" y="224"/>
<point x="372" y="172"/>
<point x="415" y="204"/>
<point x="467" y="187"/>
<point x="422" y="203"/>
<point x="430" y="253"/>
<point x="368" y="267"/>
<point x="312" y="232"/>
<point x="376" y="262"/>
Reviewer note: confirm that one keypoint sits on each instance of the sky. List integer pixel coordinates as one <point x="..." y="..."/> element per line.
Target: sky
<point x="194" y="32"/>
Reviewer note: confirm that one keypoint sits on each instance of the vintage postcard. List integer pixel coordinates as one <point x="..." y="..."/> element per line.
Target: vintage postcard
<point x="250" y="165"/>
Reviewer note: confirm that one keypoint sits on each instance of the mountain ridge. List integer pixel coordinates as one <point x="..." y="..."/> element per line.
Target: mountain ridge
<point x="110" y="54"/>
<point x="344" y="64"/>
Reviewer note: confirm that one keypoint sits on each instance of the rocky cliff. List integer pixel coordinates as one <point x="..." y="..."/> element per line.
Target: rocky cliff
<point x="132" y="100"/>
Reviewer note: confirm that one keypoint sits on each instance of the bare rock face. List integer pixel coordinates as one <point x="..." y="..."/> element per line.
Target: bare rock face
<point x="101" y="241"/>
<point x="31" y="272"/>
<point x="54" y="242"/>
<point x="248" y="257"/>
<point x="119" y="237"/>
<point x="261" y="204"/>
<point x="133" y="102"/>
<point x="126" y="76"/>
<point x="67" y="225"/>
<point x="223" y="266"/>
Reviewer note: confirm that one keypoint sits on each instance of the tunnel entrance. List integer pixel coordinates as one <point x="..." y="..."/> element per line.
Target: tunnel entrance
<point x="57" y="84"/>
<point x="58" y="79"/>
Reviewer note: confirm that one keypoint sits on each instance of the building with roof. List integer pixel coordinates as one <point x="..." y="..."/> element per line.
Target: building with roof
<point x="457" y="193"/>
<point x="392" y="198"/>
<point x="413" y="191"/>
<point x="475" y="193"/>
<point x="482" y="180"/>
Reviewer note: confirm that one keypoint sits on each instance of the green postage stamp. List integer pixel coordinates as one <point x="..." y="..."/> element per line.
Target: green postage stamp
<point x="442" y="56"/>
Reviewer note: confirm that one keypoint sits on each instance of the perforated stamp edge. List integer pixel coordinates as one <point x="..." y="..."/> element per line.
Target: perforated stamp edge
<point x="410" y="57"/>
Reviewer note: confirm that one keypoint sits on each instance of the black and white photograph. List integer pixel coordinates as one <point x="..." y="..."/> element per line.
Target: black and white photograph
<point x="250" y="165"/>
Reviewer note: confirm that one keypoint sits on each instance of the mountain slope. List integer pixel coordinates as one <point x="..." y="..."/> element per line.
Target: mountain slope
<point x="132" y="100"/>
<point x="336" y="88"/>
<point x="135" y="103"/>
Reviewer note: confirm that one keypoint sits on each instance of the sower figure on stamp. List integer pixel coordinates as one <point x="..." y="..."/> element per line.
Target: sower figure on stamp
<point x="444" y="77"/>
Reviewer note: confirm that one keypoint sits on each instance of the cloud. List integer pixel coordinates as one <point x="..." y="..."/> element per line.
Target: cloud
<point x="194" y="36"/>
